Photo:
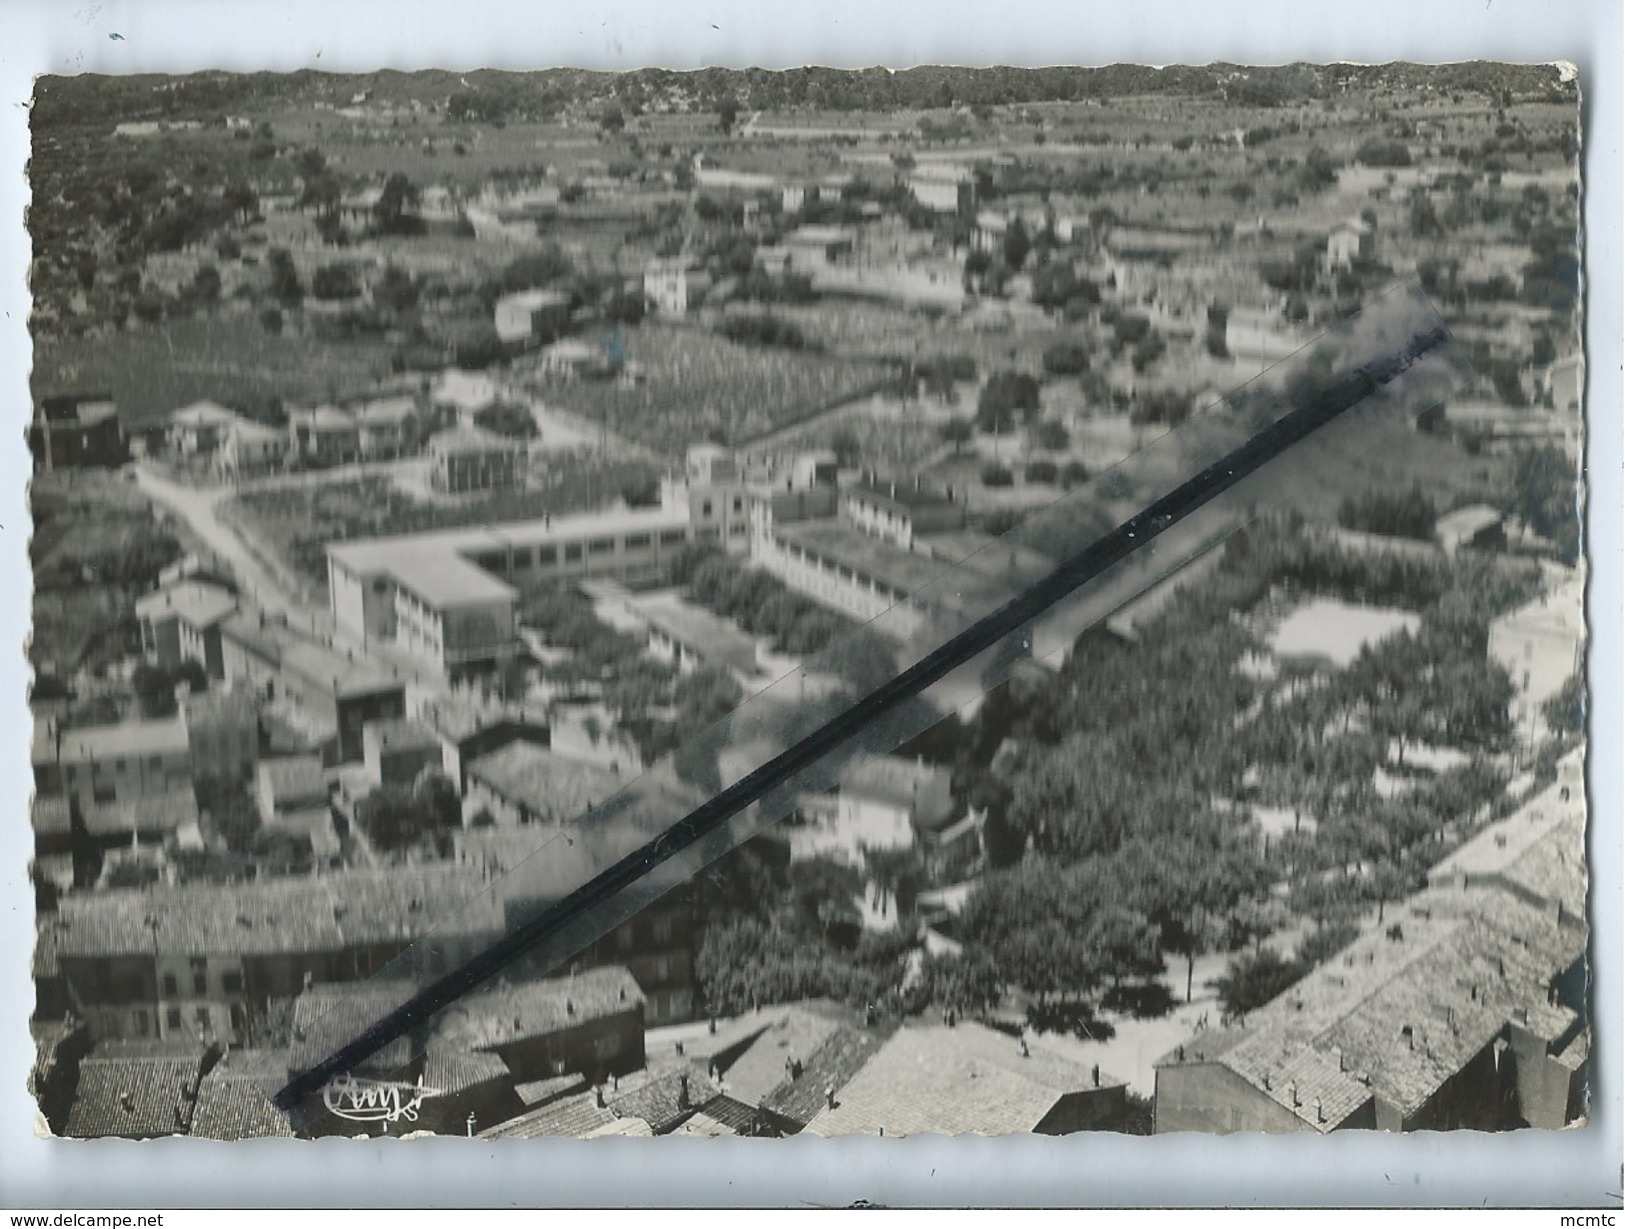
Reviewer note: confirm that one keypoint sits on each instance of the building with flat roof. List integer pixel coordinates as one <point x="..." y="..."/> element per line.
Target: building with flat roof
<point x="449" y="597"/>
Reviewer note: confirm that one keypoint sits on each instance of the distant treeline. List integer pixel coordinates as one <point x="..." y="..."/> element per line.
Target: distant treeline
<point x="489" y="95"/>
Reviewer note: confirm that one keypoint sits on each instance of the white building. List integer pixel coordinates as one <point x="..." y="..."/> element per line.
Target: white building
<point x="1541" y="645"/>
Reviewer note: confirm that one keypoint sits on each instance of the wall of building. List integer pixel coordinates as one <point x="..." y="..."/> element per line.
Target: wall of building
<point x="1211" y="1098"/>
<point x="1096" y="1109"/>
<point x="607" y="1046"/>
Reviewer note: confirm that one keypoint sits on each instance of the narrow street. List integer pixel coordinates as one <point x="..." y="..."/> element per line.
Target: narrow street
<point x="199" y="508"/>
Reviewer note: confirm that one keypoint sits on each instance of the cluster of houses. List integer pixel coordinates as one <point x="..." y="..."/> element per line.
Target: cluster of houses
<point x="462" y="456"/>
<point x="1464" y="1008"/>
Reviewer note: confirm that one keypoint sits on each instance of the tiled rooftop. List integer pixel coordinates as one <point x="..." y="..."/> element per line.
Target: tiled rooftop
<point x="1403" y="1008"/>
<point x="129" y="739"/>
<point x="506" y="1014"/>
<point x="890" y="778"/>
<point x="952" y="1081"/>
<point x="135" y="1090"/>
<point x="552" y="786"/>
<point x="233" y="1102"/>
<point x="796" y="1034"/>
<point x="326" y="913"/>
<point x="164" y="812"/>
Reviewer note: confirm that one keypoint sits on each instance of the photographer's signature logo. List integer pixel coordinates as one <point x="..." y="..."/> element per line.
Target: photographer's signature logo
<point x="375" y="1100"/>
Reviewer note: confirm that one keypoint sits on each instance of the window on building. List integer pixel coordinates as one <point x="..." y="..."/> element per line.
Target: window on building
<point x="201" y="1015"/>
<point x="171" y="987"/>
<point x="739" y="503"/>
<point x="672" y="537"/>
<point x="572" y="551"/>
<point x="604" y="1046"/>
<point x="172" y="1018"/>
<point x="231" y="983"/>
<point x="118" y="765"/>
<point x="637" y="541"/>
<point x="200" y="983"/>
<point x="601" y="546"/>
<point x="547" y="554"/>
<point x="705" y="508"/>
<point x="142" y="1025"/>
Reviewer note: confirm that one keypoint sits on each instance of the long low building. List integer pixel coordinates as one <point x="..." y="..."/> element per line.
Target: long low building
<point x="449" y="597"/>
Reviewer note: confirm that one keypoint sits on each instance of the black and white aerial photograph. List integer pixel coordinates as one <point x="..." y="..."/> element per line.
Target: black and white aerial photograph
<point x="445" y="482"/>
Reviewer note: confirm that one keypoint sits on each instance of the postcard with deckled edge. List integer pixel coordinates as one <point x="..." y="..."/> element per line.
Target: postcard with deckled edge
<point x="441" y="479"/>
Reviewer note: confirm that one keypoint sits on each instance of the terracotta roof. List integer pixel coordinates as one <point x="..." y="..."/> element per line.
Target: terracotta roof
<point x="553" y="786"/>
<point x="233" y="1102"/>
<point x="1403" y="1009"/>
<point x="51" y="816"/>
<point x="952" y="1081"/>
<point x="326" y="913"/>
<point x="455" y="1071"/>
<point x="395" y="733"/>
<point x="468" y="439"/>
<point x="295" y="779"/>
<point x="49" y="1036"/>
<point x="507" y="1014"/>
<point x="797" y="1033"/>
<point x="831" y="1066"/>
<point x="135" y="1091"/>
<point x="574" y="1116"/>
<point x="330" y="1015"/>
<point x="164" y="812"/>
<point x="657" y="1097"/>
<point x="534" y="1093"/>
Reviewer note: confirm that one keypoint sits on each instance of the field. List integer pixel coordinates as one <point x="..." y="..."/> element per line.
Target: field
<point x="229" y="359"/>
<point x="297" y="522"/>
<point x="699" y="386"/>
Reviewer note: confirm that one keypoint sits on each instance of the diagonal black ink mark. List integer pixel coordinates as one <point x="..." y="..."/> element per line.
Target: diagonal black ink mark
<point x="1328" y="404"/>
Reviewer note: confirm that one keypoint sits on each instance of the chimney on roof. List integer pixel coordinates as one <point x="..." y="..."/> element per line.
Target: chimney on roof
<point x="598" y="1095"/>
<point x="1266" y="1079"/>
<point x="1521" y="1015"/>
<point x="682" y="1091"/>
<point x="1409" y="1034"/>
<point x="569" y="1007"/>
<point x="1292" y="1091"/>
<point x="1094" y="1075"/>
<point x="1320" y="1112"/>
<point x="127" y="1100"/>
<point x="1179" y="1054"/>
<point x="829" y="1095"/>
<point x="1026" y="1051"/>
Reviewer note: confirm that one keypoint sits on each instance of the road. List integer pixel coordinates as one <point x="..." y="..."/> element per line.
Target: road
<point x="199" y="508"/>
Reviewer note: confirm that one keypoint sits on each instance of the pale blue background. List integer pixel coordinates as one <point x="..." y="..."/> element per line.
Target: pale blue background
<point x="1579" y="1168"/>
